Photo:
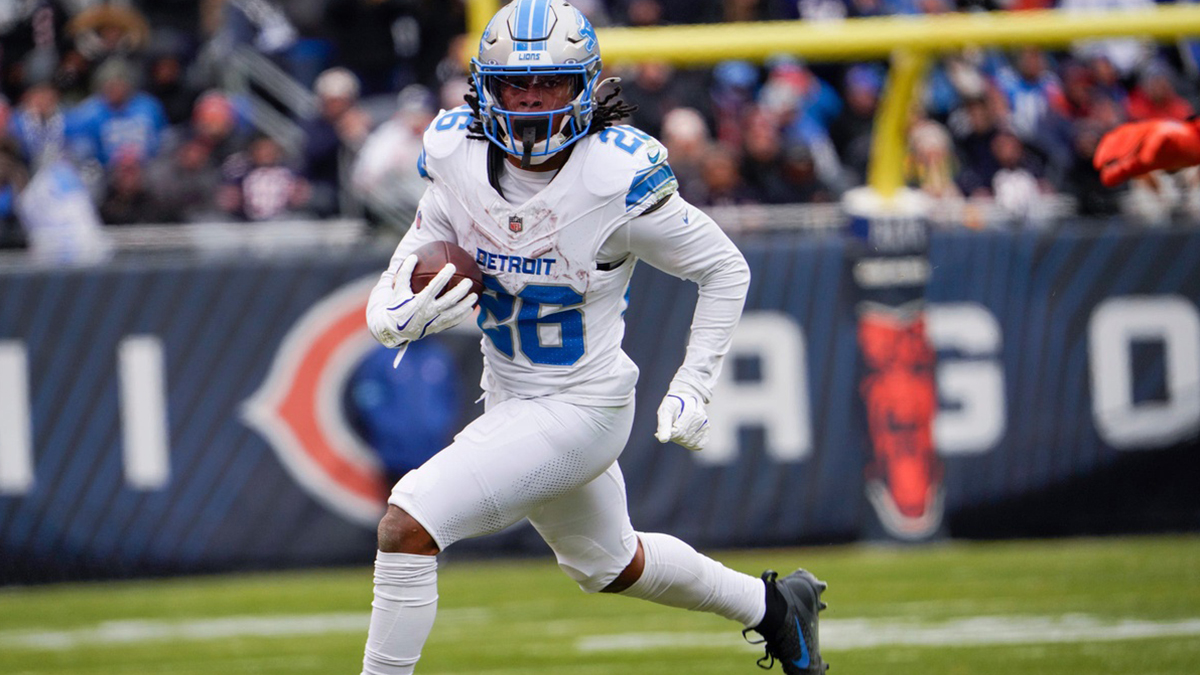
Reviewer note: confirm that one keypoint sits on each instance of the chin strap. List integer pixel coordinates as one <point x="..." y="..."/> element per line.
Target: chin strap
<point x="528" y="138"/>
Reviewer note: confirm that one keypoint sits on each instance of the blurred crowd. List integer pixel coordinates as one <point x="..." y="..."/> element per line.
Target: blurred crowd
<point x="123" y="112"/>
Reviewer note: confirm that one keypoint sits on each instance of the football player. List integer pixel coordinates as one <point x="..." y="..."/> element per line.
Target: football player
<point x="557" y="204"/>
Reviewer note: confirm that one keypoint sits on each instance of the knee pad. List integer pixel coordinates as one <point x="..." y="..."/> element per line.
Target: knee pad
<point x="588" y="564"/>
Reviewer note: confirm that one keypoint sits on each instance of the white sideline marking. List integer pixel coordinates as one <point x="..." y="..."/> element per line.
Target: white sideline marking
<point x="134" y="631"/>
<point x="836" y="634"/>
<point x="848" y="634"/>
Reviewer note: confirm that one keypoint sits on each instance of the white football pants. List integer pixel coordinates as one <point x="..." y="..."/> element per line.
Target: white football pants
<point x="555" y="464"/>
<point x="551" y="462"/>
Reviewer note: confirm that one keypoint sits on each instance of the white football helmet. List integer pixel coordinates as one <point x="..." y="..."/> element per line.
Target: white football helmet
<point x="527" y="42"/>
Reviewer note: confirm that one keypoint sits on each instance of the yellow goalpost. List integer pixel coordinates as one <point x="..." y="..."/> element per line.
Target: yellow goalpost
<point x="908" y="41"/>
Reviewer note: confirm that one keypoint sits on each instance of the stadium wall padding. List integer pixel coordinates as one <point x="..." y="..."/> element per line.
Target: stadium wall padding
<point x="1067" y="378"/>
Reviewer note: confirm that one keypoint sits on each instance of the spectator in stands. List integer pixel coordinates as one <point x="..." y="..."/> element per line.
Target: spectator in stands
<point x="818" y="10"/>
<point x="1016" y="186"/>
<point x="640" y="13"/>
<point x="6" y="118"/>
<point x="32" y="36"/>
<point x="106" y="30"/>
<point x="1083" y="180"/>
<point x="127" y="198"/>
<point x="215" y="123"/>
<point x="385" y="173"/>
<point x="73" y="78"/>
<point x="1155" y="96"/>
<point x="657" y="88"/>
<point x="974" y="125"/>
<point x="13" y="178"/>
<point x="39" y="125"/>
<point x="259" y="186"/>
<point x="859" y="9"/>
<point x="1106" y="78"/>
<point x="118" y="120"/>
<point x="1078" y="94"/>
<point x="850" y="131"/>
<point x="734" y="86"/>
<point x="808" y="101"/>
<point x="932" y="166"/>
<point x="1028" y="87"/>
<point x="333" y="137"/>
<point x="33" y="42"/>
<point x="168" y="84"/>
<point x="804" y="106"/>
<point x="184" y="183"/>
<point x="685" y="135"/>
<point x="1086" y="111"/>
<point x="750" y="10"/>
<point x="762" y="161"/>
<point x="801" y="180"/>
<point x="180" y="21"/>
<point x="722" y="183"/>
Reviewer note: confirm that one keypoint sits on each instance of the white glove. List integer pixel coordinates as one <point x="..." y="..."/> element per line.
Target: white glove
<point x="682" y="418"/>
<point x="407" y="317"/>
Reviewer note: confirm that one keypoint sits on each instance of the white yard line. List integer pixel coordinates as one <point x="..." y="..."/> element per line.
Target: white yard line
<point x="217" y="628"/>
<point x="836" y="634"/>
<point x="847" y="634"/>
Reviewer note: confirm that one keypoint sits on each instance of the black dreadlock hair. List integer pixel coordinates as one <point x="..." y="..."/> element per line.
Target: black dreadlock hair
<point x="605" y="115"/>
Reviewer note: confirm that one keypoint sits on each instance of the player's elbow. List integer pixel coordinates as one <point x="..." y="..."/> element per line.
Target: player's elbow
<point x="729" y="277"/>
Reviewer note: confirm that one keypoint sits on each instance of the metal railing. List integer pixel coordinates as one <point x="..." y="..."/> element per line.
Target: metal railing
<point x="250" y="75"/>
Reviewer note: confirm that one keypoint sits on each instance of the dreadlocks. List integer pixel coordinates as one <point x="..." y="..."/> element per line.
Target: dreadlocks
<point x="605" y="115"/>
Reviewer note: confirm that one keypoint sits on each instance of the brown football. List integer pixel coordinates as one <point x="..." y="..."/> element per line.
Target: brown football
<point x="432" y="257"/>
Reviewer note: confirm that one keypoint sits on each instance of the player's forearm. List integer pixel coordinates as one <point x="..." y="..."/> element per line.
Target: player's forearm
<point x="722" y="295"/>
<point x="685" y="242"/>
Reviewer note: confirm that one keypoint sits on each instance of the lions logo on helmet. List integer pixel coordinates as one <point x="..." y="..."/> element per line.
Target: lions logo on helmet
<point x="532" y="43"/>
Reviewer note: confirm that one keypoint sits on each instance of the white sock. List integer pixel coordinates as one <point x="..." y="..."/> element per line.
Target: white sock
<point x="677" y="576"/>
<point x="402" y="614"/>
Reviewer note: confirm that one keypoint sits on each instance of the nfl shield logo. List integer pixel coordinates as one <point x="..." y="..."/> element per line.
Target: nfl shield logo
<point x="515" y="224"/>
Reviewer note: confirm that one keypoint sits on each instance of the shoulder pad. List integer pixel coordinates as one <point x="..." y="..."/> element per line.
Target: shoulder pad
<point x="442" y="137"/>
<point x="625" y="160"/>
<point x="447" y="131"/>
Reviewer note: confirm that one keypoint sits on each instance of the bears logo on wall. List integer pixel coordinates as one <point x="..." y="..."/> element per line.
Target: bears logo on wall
<point x="904" y="474"/>
<point x="298" y="407"/>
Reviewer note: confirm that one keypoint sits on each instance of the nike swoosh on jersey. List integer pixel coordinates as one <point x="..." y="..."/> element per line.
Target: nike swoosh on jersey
<point x="653" y="158"/>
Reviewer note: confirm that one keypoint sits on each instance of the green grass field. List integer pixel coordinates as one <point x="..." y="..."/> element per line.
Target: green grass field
<point x="1087" y="606"/>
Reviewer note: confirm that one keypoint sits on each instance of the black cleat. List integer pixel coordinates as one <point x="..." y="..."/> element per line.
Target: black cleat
<point x="795" y="644"/>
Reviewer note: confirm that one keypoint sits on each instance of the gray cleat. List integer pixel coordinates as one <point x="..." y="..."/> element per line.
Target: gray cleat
<point x="795" y="645"/>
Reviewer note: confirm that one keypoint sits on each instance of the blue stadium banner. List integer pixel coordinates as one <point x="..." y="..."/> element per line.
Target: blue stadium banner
<point x="173" y="418"/>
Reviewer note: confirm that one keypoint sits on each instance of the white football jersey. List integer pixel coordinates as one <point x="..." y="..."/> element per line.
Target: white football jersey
<point x="557" y="267"/>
